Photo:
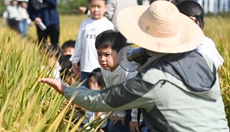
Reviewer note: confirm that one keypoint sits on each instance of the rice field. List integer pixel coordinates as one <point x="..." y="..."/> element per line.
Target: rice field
<point x="28" y="106"/>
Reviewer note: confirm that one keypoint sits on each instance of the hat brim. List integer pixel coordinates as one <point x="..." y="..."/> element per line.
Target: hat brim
<point x="188" y="38"/>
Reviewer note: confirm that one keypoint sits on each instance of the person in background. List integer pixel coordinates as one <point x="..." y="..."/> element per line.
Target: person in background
<point x="115" y="6"/>
<point x="195" y="12"/>
<point x="44" y="14"/>
<point x="85" y="43"/>
<point x="177" y="89"/>
<point x="24" y="17"/>
<point x="53" y="62"/>
<point x="11" y="14"/>
<point x="68" y="47"/>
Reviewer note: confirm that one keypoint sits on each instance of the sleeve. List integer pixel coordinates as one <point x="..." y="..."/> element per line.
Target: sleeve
<point x="127" y="95"/>
<point x="31" y="11"/>
<point x="208" y="48"/>
<point x="121" y="113"/>
<point x="51" y="3"/>
<point x="78" y="48"/>
<point x="110" y="10"/>
<point x="5" y="14"/>
<point x="134" y="114"/>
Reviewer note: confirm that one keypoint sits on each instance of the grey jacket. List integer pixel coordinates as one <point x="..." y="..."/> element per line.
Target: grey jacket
<point x="176" y="92"/>
<point x="114" y="6"/>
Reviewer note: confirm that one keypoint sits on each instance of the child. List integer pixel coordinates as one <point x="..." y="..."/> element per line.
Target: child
<point x="108" y="44"/>
<point x="195" y="12"/>
<point x="11" y="14"/>
<point x="68" y="47"/>
<point x="66" y="73"/>
<point x="89" y="29"/>
<point x="54" y="61"/>
<point x="24" y="18"/>
<point x="96" y="82"/>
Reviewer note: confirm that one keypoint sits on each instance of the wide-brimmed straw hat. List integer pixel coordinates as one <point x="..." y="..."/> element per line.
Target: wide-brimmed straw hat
<point x="159" y="27"/>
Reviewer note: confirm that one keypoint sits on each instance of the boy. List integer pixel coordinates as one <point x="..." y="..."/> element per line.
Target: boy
<point x="68" y="47"/>
<point x="108" y="44"/>
<point x="89" y="29"/>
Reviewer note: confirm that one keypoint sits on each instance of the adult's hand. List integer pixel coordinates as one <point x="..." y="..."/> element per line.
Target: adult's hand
<point x="58" y="85"/>
<point x="37" y="20"/>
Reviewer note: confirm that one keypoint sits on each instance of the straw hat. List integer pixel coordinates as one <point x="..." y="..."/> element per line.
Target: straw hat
<point x="159" y="27"/>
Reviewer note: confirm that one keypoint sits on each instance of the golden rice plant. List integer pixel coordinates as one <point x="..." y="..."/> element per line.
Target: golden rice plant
<point x="26" y="105"/>
<point x="217" y="28"/>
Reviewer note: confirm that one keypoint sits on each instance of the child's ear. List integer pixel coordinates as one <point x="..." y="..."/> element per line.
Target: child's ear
<point x="106" y="7"/>
<point x="193" y="18"/>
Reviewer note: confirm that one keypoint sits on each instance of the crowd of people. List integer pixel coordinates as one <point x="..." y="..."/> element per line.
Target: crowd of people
<point x="175" y="89"/>
<point x="17" y="17"/>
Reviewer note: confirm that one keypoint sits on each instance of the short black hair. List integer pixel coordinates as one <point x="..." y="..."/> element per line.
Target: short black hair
<point x="101" y="0"/>
<point x="110" y="38"/>
<point x="68" y="43"/>
<point x="98" y="76"/>
<point x="194" y="9"/>
<point x="66" y="67"/>
<point x="65" y="62"/>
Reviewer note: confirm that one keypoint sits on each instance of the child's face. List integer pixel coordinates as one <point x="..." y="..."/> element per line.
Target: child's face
<point x="14" y="2"/>
<point x="68" y="51"/>
<point x="97" y="9"/>
<point x="24" y="4"/>
<point x="92" y="83"/>
<point x="52" y="61"/>
<point x="108" y="58"/>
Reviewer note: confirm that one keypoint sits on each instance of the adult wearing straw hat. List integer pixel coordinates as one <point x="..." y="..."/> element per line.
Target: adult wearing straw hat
<point x="177" y="89"/>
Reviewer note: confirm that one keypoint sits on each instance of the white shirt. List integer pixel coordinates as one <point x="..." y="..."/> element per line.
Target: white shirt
<point x="23" y="13"/>
<point x="208" y="48"/>
<point x="90" y="116"/>
<point x="85" y="43"/>
<point x="118" y="76"/>
<point x="12" y="12"/>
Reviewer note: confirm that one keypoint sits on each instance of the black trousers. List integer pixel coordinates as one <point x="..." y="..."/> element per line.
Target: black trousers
<point x="13" y="24"/>
<point x="53" y="32"/>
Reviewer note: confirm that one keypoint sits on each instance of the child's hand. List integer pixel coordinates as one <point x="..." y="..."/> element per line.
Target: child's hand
<point x="76" y="69"/>
<point x="134" y="126"/>
<point x="58" y="85"/>
<point x="116" y="118"/>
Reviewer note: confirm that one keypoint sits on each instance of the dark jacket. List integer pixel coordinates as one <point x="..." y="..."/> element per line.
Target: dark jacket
<point x="46" y="10"/>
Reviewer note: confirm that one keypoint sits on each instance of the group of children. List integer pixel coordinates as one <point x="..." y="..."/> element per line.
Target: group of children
<point x="93" y="60"/>
<point x="107" y="44"/>
<point x="97" y="45"/>
<point x="17" y="16"/>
